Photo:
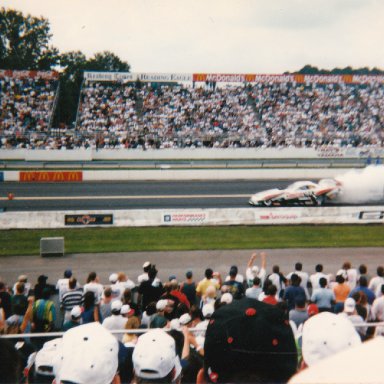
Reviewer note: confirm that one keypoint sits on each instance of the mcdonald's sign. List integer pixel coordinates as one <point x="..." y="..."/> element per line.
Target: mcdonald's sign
<point x="51" y="176"/>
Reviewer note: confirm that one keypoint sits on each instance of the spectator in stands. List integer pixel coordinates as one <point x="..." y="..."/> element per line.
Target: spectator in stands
<point x="41" y="285"/>
<point x="315" y="278"/>
<point x="11" y="365"/>
<point x="236" y="288"/>
<point x="376" y="282"/>
<point x="144" y="275"/>
<point x="377" y="309"/>
<point x="341" y="291"/>
<point x="91" y="312"/>
<point x="150" y="290"/>
<point x="350" y="274"/>
<point x="71" y="297"/>
<point x="278" y="280"/>
<point x="188" y="287"/>
<point x="44" y="313"/>
<point x="323" y="297"/>
<point x="351" y="313"/>
<point x="115" y="322"/>
<point x="62" y="284"/>
<point x="270" y="294"/>
<point x="363" y="287"/>
<point x="105" y="303"/>
<point x="93" y="285"/>
<point x="5" y="300"/>
<point x="74" y="320"/>
<point x="253" y="271"/>
<point x="248" y="341"/>
<point x="19" y="300"/>
<point x="304" y="277"/>
<point x="209" y="280"/>
<point x="294" y="292"/>
<point x="255" y="290"/>
<point x="27" y="286"/>
<point x="299" y="314"/>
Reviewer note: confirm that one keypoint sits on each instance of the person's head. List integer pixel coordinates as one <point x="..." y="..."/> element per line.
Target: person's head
<point x="271" y="290"/>
<point x="208" y="273"/>
<point x="91" y="277"/>
<point x="189" y="275"/>
<point x="210" y="291"/>
<point x="121" y="277"/>
<point x="146" y="266"/>
<point x="116" y="307"/>
<point x="152" y="272"/>
<point x="72" y="282"/>
<point x="349" y="305"/>
<point x="76" y="313"/>
<point x="295" y="280"/>
<point x="127" y="295"/>
<point x="233" y="272"/>
<point x="319" y="268"/>
<point x="89" y="354"/>
<point x="276" y="269"/>
<point x="380" y="271"/>
<point x="42" y="279"/>
<point x="346" y="265"/>
<point x="249" y="341"/>
<point x="108" y="292"/>
<point x="155" y="359"/>
<point x="323" y="282"/>
<point x="363" y="269"/>
<point x="256" y="281"/>
<point x="89" y="300"/>
<point x="67" y="273"/>
<point x="298" y="266"/>
<point x="326" y="334"/>
<point x="363" y="282"/>
<point x="2" y="286"/>
<point x="20" y="288"/>
<point x="174" y="285"/>
<point x="340" y="279"/>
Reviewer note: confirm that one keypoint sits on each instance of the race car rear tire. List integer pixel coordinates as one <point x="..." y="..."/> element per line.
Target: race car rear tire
<point x="267" y="203"/>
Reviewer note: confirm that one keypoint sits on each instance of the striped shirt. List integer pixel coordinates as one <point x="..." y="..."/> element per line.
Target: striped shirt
<point x="71" y="299"/>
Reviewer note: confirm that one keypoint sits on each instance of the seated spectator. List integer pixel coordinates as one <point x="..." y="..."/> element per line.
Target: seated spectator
<point x="255" y="290"/>
<point x="155" y="358"/>
<point x="115" y="322"/>
<point x="326" y="334"/>
<point x="41" y="285"/>
<point x="270" y="295"/>
<point x="89" y="354"/>
<point x="351" y="313"/>
<point x="188" y="287"/>
<point x="159" y="320"/>
<point x="294" y="292"/>
<point x="93" y="285"/>
<point x="75" y="319"/>
<point x="19" y="300"/>
<point x="376" y="282"/>
<point x="341" y="291"/>
<point x="71" y="297"/>
<point x="248" y="341"/>
<point x="44" y="313"/>
<point x="363" y="287"/>
<point x="323" y="297"/>
<point x="236" y="288"/>
<point x="91" y="311"/>
<point x="299" y="314"/>
<point x="5" y="300"/>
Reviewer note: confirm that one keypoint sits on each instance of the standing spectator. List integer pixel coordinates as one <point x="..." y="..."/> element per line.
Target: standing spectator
<point x="363" y="287"/>
<point x="253" y="271"/>
<point x="74" y="320"/>
<point x="27" y="286"/>
<point x="349" y="274"/>
<point x="376" y="282"/>
<point x="144" y="275"/>
<point x="41" y="285"/>
<point x="105" y="303"/>
<point x="93" y="285"/>
<point x="116" y="321"/>
<point x="351" y="313"/>
<point x="270" y="295"/>
<point x="206" y="282"/>
<point x="62" y="284"/>
<point x="19" y="300"/>
<point x="5" y="300"/>
<point x="176" y="292"/>
<point x="315" y="278"/>
<point x="294" y="292"/>
<point x="323" y="297"/>
<point x="151" y="289"/>
<point x="236" y="288"/>
<point x="377" y="309"/>
<point x="298" y="314"/>
<point x="71" y="298"/>
<point x="255" y="290"/>
<point x="188" y="287"/>
<point x="44" y="313"/>
<point x="304" y="277"/>
<point x="91" y="311"/>
<point x="238" y="277"/>
<point x="341" y="291"/>
<point x="278" y="280"/>
<point x="159" y="320"/>
<point x="363" y="271"/>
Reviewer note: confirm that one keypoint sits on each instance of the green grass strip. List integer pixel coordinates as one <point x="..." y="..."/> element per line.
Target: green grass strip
<point x="81" y="240"/>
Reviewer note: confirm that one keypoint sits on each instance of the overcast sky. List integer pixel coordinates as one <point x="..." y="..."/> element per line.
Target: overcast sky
<point x="218" y="36"/>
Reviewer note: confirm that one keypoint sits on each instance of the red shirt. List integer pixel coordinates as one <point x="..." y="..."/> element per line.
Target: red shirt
<point x="270" y="300"/>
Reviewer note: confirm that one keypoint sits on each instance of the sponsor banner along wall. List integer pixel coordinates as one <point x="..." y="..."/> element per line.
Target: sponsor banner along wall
<point x="232" y="77"/>
<point x="50" y="176"/>
<point x="46" y="75"/>
<point x="193" y="217"/>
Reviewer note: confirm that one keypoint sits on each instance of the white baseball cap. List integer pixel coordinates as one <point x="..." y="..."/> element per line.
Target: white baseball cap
<point x="116" y="305"/>
<point x="154" y="356"/>
<point x="146" y="264"/>
<point x="185" y="319"/>
<point x="208" y="310"/>
<point x="76" y="311"/>
<point x="325" y="334"/>
<point x="88" y="354"/>
<point x="226" y="298"/>
<point x="126" y="308"/>
<point x="45" y="357"/>
<point x="161" y="304"/>
<point x="113" y="278"/>
<point x="349" y="305"/>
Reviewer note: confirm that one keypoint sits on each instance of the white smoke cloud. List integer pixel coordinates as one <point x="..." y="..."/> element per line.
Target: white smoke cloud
<point x="361" y="186"/>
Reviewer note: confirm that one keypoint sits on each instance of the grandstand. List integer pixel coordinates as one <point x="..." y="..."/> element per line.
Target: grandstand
<point x="138" y="110"/>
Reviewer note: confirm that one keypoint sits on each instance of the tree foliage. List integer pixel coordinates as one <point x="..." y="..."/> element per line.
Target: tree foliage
<point x="311" y="70"/>
<point x="24" y="42"/>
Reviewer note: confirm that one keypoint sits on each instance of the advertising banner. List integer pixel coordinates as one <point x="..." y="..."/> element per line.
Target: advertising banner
<point x="46" y="75"/>
<point x="164" y="77"/>
<point x="50" y="176"/>
<point x="185" y="218"/>
<point x="88" y="220"/>
<point x="109" y="76"/>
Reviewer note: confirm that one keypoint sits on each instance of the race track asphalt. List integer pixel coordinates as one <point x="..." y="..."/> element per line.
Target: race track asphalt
<point x="177" y="263"/>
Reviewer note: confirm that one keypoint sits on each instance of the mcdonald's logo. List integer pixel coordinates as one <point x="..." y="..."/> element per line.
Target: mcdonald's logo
<point x="199" y="77"/>
<point x="348" y="79"/>
<point x="51" y="177"/>
<point x="299" y="78"/>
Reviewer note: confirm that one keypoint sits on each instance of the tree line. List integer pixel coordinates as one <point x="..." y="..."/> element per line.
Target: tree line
<point x="25" y="45"/>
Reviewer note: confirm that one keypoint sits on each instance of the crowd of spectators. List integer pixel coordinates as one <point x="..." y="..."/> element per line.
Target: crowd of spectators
<point x="27" y="106"/>
<point x="257" y="327"/>
<point x="155" y="115"/>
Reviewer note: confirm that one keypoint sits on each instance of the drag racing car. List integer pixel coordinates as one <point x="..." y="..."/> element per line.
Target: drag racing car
<point x="298" y="193"/>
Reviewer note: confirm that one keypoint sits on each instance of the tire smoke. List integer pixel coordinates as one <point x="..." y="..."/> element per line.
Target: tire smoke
<point x="361" y="186"/>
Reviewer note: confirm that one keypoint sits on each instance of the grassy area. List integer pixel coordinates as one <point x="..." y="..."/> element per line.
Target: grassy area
<point x="26" y="242"/>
